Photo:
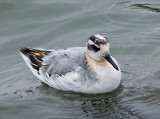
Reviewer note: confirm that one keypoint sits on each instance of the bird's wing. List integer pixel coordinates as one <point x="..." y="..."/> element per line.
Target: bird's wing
<point x="57" y="62"/>
<point x="61" y="69"/>
<point x="63" y="61"/>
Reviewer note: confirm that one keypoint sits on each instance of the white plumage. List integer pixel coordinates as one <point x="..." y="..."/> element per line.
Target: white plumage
<point x="88" y="69"/>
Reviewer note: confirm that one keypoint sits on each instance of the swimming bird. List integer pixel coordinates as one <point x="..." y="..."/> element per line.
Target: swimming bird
<point x="89" y="69"/>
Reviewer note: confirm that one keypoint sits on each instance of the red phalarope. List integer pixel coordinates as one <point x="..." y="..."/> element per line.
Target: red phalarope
<point x="89" y="69"/>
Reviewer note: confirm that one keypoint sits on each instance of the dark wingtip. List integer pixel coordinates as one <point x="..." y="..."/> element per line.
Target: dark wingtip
<point x="24" y="50"/>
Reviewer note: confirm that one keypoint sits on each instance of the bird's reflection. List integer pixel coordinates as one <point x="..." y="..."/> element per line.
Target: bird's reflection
<point x="97" y="106"/>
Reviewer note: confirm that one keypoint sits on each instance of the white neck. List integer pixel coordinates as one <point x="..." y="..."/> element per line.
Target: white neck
<point x="93" y="63"/>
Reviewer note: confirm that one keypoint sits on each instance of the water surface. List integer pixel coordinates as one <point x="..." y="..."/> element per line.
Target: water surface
<point x="133" y="28"/>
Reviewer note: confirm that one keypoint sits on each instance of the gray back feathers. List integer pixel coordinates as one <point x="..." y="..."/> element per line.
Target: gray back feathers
<point x="63" y="61"/>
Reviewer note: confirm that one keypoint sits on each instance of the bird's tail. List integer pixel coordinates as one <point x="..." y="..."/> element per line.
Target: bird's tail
<point x="33" y="57"/>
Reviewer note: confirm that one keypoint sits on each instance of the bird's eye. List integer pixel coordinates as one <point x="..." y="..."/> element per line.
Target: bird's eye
<point x="93" y="47"/>
<point x="97" y="42"/>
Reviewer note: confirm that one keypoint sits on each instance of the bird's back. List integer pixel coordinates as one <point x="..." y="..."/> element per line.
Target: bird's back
<point x="63" y="61"/>
<point x="57" y="62"/>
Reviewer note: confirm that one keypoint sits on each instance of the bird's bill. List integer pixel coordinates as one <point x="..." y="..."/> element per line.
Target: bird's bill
<point x="109" y="59"/>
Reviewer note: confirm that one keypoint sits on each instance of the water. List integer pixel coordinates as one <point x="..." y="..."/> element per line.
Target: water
<point x="133" y="28"/>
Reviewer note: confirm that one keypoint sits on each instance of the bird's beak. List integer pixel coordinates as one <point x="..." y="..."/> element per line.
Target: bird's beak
<point x="109" y="59"/>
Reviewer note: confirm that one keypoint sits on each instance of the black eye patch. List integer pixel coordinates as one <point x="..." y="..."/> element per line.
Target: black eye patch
<point x="93" y="48"/>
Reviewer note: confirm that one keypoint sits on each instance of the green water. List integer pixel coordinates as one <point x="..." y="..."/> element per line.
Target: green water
<point x="133" y="28"/>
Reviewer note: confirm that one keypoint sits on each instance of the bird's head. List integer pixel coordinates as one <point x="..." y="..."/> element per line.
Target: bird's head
<point x="98" y="48"/>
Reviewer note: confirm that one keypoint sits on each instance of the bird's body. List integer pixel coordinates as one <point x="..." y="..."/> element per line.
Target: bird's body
<point x="74" y="69"/>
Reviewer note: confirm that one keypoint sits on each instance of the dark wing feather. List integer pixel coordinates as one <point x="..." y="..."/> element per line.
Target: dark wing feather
<point x="35" y="56"/>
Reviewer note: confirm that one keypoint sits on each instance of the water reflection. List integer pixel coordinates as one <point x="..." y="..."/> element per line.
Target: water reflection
<point x="145" y="7"/>
<point x="100" y="107"/>
<point x="109" y="105"/>
<point x="97" y="106"/>
<point x="92" y="106"/>
<point x="140" y="6"/>
<point x="117" y="104"/>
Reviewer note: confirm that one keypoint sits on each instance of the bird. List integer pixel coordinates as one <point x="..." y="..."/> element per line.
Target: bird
<point x="90" y="69"/>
